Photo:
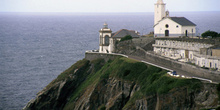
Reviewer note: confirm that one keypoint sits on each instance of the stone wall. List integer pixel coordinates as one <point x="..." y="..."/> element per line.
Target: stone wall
<point x="216" y="52"/>
<point x="203" y="41"/>
<point x="194" y="70"/>
<point x="106" y="56"/>
<point x="142" y="41"/>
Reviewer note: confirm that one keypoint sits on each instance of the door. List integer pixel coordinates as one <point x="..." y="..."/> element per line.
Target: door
<point x="166" y="33"/>
<point x="186" y="53"/>
<point x="186" y="33"/>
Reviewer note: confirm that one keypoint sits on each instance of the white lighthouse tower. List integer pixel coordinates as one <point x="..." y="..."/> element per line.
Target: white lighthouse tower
<point x="105" y="40"/>
<point x="159" y="11"/>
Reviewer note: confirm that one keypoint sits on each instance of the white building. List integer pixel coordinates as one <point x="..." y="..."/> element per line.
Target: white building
<point x="178" y="49"/>
<point x="210" y="58"/>
<point x="200" y="53"/>
<point x="107" y="39"/>
<point x="166" y="26"/>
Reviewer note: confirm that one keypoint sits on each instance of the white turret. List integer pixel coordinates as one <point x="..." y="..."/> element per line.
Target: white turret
<point x="160" y="2"/>
<point x="104" y="39"/>
<point x="159" y="11"/>
<point x="167" y="13"/>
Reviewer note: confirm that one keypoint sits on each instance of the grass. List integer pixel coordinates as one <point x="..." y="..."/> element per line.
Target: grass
<point x="127" y="37"/>
<point x="152" y="80"/>
<point x="92" y="79"/>
<point x="102" y="107"/>
<point x="218" y="89"/>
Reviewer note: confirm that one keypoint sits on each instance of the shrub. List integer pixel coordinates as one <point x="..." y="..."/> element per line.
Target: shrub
<point x="102" y="107"/>
<point x="205" y="67"/>
<point x="210" y="33"/>
<point x="127" y="37"/>
<point x="218" y="89"/>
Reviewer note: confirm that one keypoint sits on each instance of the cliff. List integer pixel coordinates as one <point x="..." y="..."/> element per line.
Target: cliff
<point x="123" y="84"/>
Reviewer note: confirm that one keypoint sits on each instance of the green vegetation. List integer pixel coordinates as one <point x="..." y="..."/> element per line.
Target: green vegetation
<point x="213" y="34"/>
<point x="127" y="37"/>
<point x="205" y="67"/>
<point x="91" y="79"/>
<point x="102" y="107"/>
<point x="151" y="34"/>
<point x="191" y="63"/>
<point x="218" y="89"/>
<point x="152" y="80"/>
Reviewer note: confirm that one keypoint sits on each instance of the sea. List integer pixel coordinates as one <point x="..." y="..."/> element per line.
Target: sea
<point x="36" y="47"/>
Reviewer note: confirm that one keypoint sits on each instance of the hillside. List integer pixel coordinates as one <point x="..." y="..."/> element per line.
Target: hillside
<point x="122" y="84"/>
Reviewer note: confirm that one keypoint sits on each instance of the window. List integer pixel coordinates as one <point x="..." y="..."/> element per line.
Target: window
<point x="100" y="39"/>
<point x="106" y="40"/>
<point x="177" y="26"/>
<point x="166" y="25"/>
<point x="186" y="33"/>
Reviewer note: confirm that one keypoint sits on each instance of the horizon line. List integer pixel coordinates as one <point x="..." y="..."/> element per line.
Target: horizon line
<point x="93" y="12"/>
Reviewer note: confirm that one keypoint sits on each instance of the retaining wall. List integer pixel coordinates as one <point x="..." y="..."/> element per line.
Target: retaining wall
<point x="95" y="55"/>
<point x="194" y="70"/>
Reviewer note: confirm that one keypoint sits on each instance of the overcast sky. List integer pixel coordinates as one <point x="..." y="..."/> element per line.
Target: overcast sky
<point x="105" y="5"/>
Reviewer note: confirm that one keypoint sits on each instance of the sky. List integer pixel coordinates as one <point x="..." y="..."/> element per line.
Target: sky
<point x="105" y="5"/>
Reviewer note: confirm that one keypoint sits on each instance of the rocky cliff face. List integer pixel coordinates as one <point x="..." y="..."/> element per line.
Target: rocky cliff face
<point x="122" y="84"/>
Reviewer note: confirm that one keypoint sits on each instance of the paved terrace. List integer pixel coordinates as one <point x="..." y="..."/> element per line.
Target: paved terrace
<point x="204" y="41"/>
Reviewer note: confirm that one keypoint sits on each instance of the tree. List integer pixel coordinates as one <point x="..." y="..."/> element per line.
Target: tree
<point x="127" y="37"/>
<point x="213" y="34"/>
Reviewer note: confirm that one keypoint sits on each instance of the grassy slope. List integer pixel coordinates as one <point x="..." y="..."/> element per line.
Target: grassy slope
<point x="152" y="80"/>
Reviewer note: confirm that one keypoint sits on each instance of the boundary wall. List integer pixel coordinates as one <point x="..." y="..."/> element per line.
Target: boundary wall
<point x="194" y="70"/>
<point x="106" y="56"/>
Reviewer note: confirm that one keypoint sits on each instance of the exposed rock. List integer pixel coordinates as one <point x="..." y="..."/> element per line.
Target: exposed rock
<point x="141" y="104"/>
<point x="207" y="98"/>
<point x="116" y="94"/>
<point x="56" y="94"/>
<point x="113" y="93"/>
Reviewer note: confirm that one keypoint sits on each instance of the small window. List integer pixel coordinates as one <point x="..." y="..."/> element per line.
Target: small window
<point x="106" y="40"/>
<point x="100" y="39"/>
<point x="166" y="25"/>
<point x="177" y="26"/>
